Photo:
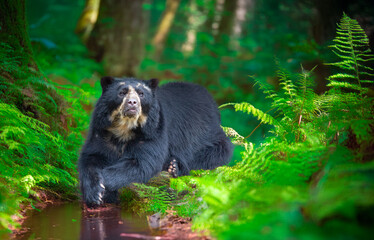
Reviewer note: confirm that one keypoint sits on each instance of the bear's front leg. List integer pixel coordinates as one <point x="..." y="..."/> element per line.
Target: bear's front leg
<point x="129" y="171"/>
<point x="92" y="186"/>
<point x="91" y="178"/>
<point x="138" y="166"/>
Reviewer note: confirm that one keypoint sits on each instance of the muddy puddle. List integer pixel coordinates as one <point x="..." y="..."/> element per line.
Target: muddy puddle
<point x="69" y="221"/>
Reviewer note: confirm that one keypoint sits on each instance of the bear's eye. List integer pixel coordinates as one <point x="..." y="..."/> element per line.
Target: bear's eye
<point x="141" y="94"/>
<point x="122" y="93"/>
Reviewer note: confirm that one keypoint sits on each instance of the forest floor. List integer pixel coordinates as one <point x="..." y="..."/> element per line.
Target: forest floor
<point x="176" y="227"/>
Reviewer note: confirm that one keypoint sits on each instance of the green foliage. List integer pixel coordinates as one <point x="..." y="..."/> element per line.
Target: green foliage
<point x="41" y="131"/>
<point x="352" y="47"/>
<point x="350" y="98"/>
<point x="154" y="199"/>
<point x="307" y="179"/>
<point x="32" y="158"/>
<point x="237" y="139"/>
<point x="163" y="193"/>
<point x="250" y="109"/>
<point x="345" y="190"/>
<point x="295" y="105"/>
<point x="9" y="62"/>
<point x="222" y="58"/>
<point x="188" y="201"/>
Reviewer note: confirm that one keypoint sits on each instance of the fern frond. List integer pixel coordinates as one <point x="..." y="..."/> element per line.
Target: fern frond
<point x="11" y="115"/>
<point x="238" y="139"/>
<point x="9" y="60"/>
<point x="347" y="85"/>
<point x="352" y="48"/>
<point x="250" y="109"/>
<point x="341" y="76"/>
<point x="286" y="83"/>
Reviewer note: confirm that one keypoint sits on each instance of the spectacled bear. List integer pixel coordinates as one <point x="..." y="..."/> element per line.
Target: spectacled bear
<point x="139" y="129"/>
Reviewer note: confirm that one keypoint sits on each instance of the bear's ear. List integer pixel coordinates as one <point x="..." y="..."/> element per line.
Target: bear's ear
<point x="153" y="83"/>
<point x="105" y="82"/>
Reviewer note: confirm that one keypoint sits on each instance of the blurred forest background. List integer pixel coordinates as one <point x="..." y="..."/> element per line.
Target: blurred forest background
<point x="224" y="45"/>
<point x="303" y="162"/>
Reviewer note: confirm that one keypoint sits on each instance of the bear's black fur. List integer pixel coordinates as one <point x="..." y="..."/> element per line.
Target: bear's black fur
<point x="138" y="129"/>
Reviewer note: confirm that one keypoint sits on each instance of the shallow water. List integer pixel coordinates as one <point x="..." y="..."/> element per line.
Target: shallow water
<point x="69" y="221"/>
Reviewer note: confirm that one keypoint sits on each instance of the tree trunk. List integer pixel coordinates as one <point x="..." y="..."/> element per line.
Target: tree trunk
<point x="189" y="45"/>
<point x="19" y="81"/>
<point x="165" y="25"/>
<point x="87" y="19"/>
<point x="118" y="38"/>
<point x="214" y="21"/>
<point x="243" y="11"/>
<point x="13" y="32"/>
<point x="228" y="16"/>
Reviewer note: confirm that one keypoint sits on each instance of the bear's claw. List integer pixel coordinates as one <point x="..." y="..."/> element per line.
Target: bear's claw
<point x="96" y="198"/>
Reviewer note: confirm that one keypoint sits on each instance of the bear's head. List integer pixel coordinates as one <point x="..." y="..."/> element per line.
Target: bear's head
<point x="127" y="102"/>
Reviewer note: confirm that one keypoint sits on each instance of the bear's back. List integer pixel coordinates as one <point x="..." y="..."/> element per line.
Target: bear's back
<point x="190" y="113"/>
<point x="188" y="100"/>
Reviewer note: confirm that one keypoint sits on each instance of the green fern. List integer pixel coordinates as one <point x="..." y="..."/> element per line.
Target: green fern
<point x="31" y="157"/>
<point x="250" y="109"/>
<point x="295" y="105"/>
<point x="9" y="61"/>
<point x="305" y="177"/>
<point x="350" y="102"/>
<point x="352" y="47"/>
<point x="154" y="199"/>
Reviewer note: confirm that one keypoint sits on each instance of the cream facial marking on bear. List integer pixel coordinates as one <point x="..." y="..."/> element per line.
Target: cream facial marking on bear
<point x="132" y="94"/>
<point x="142" y="120"/>
<point x="144" y="86"/>
<point x="122" y="125"/>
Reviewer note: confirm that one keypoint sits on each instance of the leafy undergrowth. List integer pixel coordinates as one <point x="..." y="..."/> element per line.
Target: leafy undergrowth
<point x="312" y="178"/>
<point x="41" y="125"/>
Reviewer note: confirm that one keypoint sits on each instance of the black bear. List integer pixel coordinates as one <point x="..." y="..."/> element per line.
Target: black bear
<point x="139" y="129"/>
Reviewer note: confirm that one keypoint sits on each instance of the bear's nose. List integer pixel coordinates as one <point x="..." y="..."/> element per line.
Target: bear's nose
<point x="132" y="102"/>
